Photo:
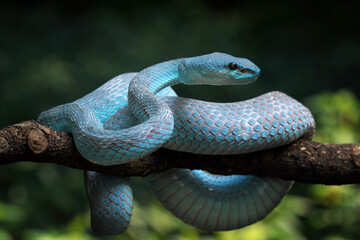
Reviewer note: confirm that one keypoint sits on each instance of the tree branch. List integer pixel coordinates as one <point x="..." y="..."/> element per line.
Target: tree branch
<point x="303" y="161"/>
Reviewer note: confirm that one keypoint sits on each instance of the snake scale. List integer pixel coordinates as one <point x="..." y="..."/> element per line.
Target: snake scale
<point x="134" y="114"/>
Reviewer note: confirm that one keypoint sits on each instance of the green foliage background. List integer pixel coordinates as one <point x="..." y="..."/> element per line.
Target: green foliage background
<point x="55" y="52"/>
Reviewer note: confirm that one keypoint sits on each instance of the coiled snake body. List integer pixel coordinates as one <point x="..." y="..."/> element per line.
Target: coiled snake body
<point x="134" y="114"/>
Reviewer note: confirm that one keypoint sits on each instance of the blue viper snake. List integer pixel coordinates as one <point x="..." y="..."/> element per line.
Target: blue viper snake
<point x="134" y="114"/>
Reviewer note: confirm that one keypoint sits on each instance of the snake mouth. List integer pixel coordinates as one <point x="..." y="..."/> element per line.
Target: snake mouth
<point x="248" y="75"/>
<point x="247" y="71"/>
<point x="256" y="75"/>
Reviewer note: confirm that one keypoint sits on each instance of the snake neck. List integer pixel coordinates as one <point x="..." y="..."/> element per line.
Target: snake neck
<point x="144" y="86"/>
<point x="157" y="77"/>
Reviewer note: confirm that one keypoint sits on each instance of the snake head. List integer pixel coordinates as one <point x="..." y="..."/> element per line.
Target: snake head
<point x="217" y="69"/>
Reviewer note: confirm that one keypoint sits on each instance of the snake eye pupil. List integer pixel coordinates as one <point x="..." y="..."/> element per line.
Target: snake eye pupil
<point x="232" y="66"/>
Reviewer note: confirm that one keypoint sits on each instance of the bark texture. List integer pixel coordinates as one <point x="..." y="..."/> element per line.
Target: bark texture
<point x="303" y="161"/>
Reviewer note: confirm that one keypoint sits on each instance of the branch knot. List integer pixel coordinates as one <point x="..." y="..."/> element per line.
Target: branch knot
<point x="37" y="140"/>
<point x="4" y="145"/>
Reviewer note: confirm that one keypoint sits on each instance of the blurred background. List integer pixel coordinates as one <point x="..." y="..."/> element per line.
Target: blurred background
<point x="55" y="52"/>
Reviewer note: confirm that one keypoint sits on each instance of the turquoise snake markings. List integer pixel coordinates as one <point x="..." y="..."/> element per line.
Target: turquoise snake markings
<point x="134" y="114"/>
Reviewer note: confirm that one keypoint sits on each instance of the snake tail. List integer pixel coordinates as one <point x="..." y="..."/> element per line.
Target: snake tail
<point x="111" y="202"/>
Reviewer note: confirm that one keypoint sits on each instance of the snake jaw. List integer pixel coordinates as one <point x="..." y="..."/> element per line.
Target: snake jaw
<point x="247" y="75"/>
<point x="247" y="69"/>
<point x="251" y="75"/>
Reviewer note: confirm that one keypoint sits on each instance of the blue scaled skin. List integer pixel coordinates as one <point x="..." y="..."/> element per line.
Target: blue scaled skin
<point x="134" y="114"/>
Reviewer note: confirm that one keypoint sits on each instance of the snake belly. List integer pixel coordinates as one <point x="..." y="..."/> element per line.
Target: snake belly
<point x="198" y="198"/>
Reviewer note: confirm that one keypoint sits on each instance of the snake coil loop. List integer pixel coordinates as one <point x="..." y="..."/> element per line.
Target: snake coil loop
<point x="134" y="114"/>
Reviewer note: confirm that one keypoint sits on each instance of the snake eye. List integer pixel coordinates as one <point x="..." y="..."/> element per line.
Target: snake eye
<point x="232" y="66"/>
